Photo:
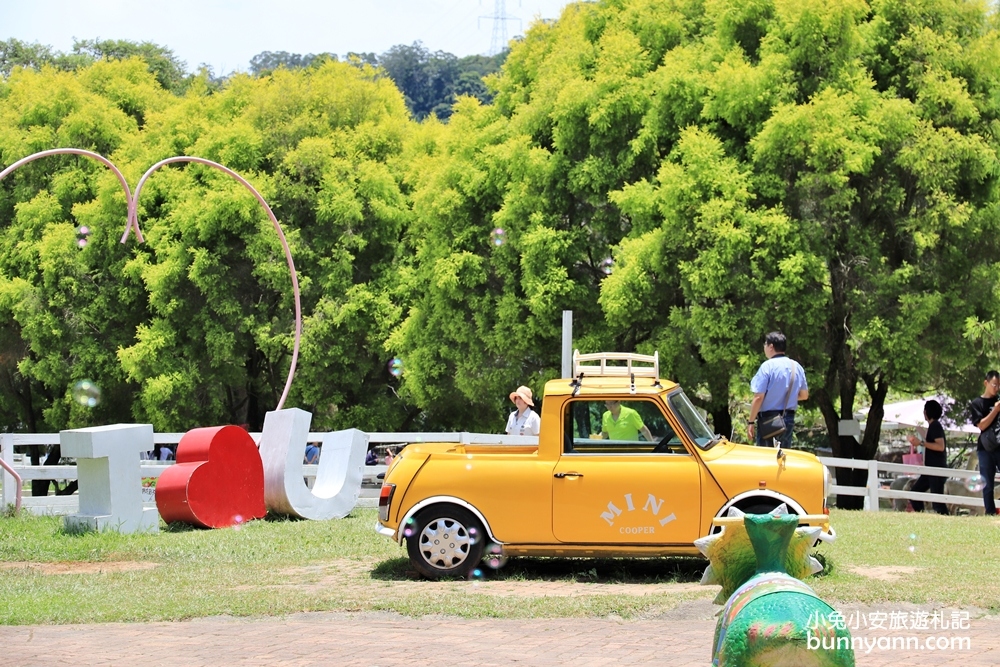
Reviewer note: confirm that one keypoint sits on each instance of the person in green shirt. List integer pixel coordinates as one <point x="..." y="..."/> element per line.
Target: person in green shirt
<point x="622" y="423"/>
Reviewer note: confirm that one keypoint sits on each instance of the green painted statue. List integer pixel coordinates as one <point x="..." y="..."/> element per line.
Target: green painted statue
<point x="771" y="618"/>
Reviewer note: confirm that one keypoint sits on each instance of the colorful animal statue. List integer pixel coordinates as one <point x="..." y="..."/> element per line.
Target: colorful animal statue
<point x="771" y="618"/>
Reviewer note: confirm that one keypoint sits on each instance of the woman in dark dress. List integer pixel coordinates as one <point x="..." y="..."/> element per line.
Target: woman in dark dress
<point x="934" y="455"/>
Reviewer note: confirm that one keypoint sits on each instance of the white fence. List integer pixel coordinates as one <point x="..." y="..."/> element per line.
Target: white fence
<point x="68" y="504"/>
<point x="873" y="490"/>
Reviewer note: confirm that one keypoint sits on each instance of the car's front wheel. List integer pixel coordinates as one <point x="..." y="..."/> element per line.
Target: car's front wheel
<point x="446" y="541"/>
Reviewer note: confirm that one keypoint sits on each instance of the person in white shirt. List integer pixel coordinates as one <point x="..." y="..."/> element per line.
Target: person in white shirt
<point x="524" y="420"/>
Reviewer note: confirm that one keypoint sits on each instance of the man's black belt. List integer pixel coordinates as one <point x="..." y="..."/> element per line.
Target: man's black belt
<point x="771" y="413"/>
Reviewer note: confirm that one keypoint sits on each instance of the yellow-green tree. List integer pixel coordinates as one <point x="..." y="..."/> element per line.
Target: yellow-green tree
<point x="65" y="304"/>
<point x="833" y="178"/>
<point x="194" y="327"/>
<point x="317" y="143"/>
<point x="822" y="168"/>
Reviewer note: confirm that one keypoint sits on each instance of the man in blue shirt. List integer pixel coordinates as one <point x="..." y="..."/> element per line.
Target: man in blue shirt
<point x="777" y="378"/>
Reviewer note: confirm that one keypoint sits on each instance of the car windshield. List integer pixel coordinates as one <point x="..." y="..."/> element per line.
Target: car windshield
<point x="692" y="420"/>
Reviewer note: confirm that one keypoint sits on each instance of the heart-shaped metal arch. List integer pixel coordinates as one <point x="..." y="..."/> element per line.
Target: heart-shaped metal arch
<point x="100" y="158"/>
<point x="132" y="223"/>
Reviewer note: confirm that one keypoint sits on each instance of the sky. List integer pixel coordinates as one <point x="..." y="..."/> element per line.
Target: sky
<point x="226" y="34"/>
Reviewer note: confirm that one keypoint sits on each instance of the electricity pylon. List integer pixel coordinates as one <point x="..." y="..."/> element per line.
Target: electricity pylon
<point x="498" y="42"/>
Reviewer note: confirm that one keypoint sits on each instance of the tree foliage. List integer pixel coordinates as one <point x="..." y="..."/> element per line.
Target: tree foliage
<point x="266" y="62"/>
<point x="430" y="82"/>
<point x="15" y="53"/>
<point x="827" y="170"/>
<point x="64" y="304"/>
<point x="169" y="71"/>
<point x="194" y="326"/>
<point x="685" y="175"/>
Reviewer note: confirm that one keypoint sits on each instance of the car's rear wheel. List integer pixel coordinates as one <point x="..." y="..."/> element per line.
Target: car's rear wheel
<point x="447" y="541"/>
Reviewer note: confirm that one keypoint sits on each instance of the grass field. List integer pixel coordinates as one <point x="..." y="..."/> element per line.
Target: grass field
<point x="279" y="567"/>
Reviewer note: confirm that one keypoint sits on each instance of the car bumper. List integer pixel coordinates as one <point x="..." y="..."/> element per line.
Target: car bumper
<point x="385" y="531"/>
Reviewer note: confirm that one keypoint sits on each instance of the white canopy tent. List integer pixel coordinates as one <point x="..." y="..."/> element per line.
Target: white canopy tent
<point x="911" y="414"/>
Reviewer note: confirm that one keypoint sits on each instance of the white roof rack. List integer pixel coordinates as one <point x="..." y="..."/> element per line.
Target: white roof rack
<point x="650" y="367"/>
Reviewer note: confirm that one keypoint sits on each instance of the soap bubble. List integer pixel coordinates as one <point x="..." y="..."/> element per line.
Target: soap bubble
<point x="238" y="522"/>
<point x="86" y="393"/>
<point x="473" y="536"/>
<point x="476" y="576"/>
<point x="976" y="483"/>
<point x="82" y="233"/>
<point x="496" y="562"/>
<point x="498" y="236"/>
<point x="494" y="557"/>
<point x="468" y="466"/>
<point x="396" y="367"/>
<point x="606" y="266"/>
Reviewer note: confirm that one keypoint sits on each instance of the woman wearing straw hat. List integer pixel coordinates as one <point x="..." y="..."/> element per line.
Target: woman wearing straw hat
<point x="523" y="421"/>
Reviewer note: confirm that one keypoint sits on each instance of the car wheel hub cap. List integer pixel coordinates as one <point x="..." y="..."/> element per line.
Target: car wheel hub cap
<point x="445" y="543"/>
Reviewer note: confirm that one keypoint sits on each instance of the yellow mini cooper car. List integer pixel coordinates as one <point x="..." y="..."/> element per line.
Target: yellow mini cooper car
<point x="624" y="466"/>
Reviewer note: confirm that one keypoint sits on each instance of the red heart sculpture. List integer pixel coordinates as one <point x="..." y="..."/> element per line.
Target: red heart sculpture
<point x="218" y="480"/>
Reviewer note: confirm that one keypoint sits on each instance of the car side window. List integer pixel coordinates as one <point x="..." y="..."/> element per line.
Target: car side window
<point x="625" y="426"/>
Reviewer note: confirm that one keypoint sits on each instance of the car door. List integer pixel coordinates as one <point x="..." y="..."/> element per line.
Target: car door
<point x="626" y="490"/>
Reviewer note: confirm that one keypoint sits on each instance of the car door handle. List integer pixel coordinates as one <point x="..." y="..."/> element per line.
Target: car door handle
<point x="560" y="475"/>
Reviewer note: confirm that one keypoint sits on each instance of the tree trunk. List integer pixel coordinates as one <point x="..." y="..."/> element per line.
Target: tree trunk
<point x="851" y="476"/>
<point x="846" y="383"/>
<point x="877" y="389"/>
<point x="722" y="421"/>
<point x="40" y="487"/>
<point x="844" y="447"/>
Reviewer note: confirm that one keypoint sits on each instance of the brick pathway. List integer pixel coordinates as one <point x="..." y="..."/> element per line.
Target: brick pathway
<point x="385" y="640"/>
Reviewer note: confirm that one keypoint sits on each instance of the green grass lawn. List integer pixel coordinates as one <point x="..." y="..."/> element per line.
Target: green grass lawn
<point x="279" y="567"/>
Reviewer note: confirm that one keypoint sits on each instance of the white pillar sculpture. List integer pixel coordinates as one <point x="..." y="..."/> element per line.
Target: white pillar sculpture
<point x="8" y="496"/>
<point x="107" y="460"/>
<point x="341" y="464"/>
